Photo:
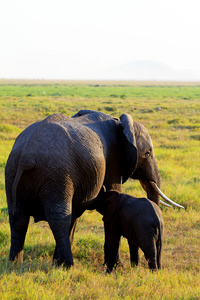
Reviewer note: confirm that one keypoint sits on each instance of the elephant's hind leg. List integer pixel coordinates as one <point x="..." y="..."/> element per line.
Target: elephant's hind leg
<point x="60" y="229"/>
<point x="58" y="211"/>
<point x="59" y="218"/>
<point x="71" y="237"/>
<point x="19" y="225"/>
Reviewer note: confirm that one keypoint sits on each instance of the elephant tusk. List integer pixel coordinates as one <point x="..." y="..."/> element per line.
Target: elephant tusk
<point x="165" y="204"/>
<point x="156" y="188"/>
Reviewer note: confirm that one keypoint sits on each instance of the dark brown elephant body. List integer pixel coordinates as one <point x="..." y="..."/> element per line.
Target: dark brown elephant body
<point x="57" y="166"/>
<point x="139" y="220"/>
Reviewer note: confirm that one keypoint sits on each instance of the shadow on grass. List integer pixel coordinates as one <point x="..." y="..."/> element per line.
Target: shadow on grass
<point x="37" y="257"/>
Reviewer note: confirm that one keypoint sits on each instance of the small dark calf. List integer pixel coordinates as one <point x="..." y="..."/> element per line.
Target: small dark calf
<point x="137" y="219"/>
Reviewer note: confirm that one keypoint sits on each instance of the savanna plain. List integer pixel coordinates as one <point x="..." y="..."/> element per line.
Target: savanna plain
<point x="171" y="114"/>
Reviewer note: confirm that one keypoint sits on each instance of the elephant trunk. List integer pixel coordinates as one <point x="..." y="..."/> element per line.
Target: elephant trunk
<point x="151" y="193"/>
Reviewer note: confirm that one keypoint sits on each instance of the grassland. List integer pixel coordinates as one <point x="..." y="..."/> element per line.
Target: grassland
<point x="171" y="113"/>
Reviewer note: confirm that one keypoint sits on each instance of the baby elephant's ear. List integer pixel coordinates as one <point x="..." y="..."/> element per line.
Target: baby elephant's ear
<point x="111" y="199"/>
<point x="128" y="147"/>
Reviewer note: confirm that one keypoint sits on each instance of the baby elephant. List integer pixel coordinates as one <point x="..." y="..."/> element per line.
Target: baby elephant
<point x="137" y="219"/>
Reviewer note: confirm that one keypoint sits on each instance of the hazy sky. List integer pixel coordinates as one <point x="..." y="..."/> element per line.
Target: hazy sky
<point x="74" y="39"/>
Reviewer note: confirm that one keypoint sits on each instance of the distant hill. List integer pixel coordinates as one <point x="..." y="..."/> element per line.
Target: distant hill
<point x="147" y="70"/>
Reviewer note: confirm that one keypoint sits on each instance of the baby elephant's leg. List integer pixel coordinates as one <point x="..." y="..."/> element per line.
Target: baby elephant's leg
<point x="150" y="255"/>
<point x="152" y="263"/>
<point x="134" y="254"/>
<point x="112" y="246"/>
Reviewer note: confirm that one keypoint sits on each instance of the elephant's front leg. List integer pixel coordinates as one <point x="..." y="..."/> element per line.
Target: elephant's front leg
<point x="117" y="260"/>
<point x="112" y="249"/>
<point x="134" y="254"/>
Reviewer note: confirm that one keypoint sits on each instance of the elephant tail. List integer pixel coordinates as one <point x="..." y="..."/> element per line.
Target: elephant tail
<point x="20" y="170"/>
<point x="159" y="245"/>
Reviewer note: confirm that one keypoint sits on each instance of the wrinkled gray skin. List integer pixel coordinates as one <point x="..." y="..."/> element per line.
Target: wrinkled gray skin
<point x="57" y="166"/>
<point x="137" y="219"/>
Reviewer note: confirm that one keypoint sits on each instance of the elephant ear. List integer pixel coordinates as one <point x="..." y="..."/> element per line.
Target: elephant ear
<point x="128" y="149"/>
<point x="111" y="200"/>
<point x="83" y="112"/>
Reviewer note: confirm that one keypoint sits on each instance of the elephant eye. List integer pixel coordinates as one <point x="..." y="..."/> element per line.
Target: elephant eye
<point x="147" y="154"/>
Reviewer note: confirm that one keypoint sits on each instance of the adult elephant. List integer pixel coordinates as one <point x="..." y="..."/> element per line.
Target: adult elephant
<point x="57" y="166"/>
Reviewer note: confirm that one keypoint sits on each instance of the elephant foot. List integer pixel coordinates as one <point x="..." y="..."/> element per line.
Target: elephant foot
<point x="152" y="265"/>
<point x="58" y="263"/>
<point x="62" y="261"/>
<point x="17" y="258"/>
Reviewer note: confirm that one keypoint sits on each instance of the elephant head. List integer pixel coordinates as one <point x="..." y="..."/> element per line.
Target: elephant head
<point x="137" y="159"/>
<point x="135" y="136"/>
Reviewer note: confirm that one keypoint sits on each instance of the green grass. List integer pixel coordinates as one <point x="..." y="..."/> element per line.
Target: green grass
<point x="171" y="113"/>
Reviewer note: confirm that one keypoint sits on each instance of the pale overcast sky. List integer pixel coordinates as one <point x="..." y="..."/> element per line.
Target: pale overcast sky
<point x="76" y="39"/>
